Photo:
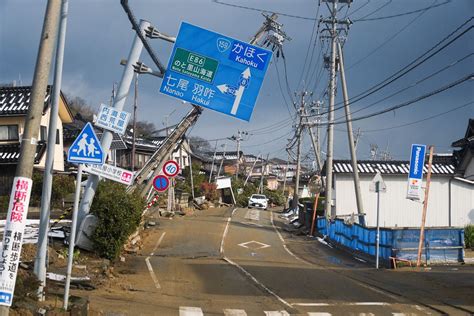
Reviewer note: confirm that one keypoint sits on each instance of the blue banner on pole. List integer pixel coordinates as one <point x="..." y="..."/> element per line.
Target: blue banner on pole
<point x="417" y="161"/>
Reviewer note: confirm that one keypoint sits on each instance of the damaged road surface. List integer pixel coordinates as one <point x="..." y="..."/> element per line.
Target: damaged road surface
<point x="240" y="262"/>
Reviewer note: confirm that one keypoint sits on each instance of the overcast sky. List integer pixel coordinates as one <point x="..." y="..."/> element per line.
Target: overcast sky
<point x="99" y="35"/>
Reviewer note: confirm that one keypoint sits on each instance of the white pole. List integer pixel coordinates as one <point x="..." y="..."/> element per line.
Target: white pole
<point x="72" y="236"/>
<point x="377" y="189"/>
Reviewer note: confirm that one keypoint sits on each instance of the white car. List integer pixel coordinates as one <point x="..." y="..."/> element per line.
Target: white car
<point x="258" y="201"/>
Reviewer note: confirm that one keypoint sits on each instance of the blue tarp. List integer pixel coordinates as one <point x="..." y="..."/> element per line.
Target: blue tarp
<point x="442" y="245"/>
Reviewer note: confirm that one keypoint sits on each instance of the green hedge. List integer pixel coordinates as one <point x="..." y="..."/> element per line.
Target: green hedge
<point x="119" y="214"/>
<point x="469" y="236"/>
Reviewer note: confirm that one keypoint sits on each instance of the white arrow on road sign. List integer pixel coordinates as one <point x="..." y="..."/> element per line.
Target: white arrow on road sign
<point x="238" y="94"/>
<point x="226" y="89"/>
<point x="381" y="184"/>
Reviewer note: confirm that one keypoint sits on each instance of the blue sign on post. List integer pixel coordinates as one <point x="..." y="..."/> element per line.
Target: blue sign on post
<point x="415" y="177"/>
<point x="215" y="71"/>
<point x="86" y="148"/>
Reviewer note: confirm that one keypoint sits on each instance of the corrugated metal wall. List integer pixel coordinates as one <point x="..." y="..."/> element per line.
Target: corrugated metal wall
<point x="397" y="211"/>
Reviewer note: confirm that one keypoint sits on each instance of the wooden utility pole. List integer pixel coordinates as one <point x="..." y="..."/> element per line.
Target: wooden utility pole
<point x="425" y="207"/>
<point x="24" y="170"/>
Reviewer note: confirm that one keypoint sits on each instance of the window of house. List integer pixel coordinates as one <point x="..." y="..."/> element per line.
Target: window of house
<point x="58" y="140"/>
<point x="43" y="133"/>
<point x="9" y="132"/>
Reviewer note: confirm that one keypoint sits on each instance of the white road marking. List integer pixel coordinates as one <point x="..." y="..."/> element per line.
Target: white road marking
<point x="283" y="242"/>
<point x="234" y="312"/>
<point x="152" y="273"/>
<point x="257" y="282"/>
<point x="319" y="314"/>
<point x="398" y="314"/>
<point x="158" y="243"/>
<point x="224" y="234"/>
<point x="343" y="304"/>
<point x="253" y="215"/>
<point x="190" y="311"/>
<point x="260" y="245"/>
<point x="276" y="313"/>
<point x="369" y="304"/>
<point x="311" y="304"/>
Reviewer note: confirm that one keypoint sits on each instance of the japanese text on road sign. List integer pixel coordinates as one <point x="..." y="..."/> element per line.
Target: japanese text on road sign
<point x="13" y="237"/>
<point x="112" y="120"/>
<point x="215" y="71"/>
<point x="110" y="172"/>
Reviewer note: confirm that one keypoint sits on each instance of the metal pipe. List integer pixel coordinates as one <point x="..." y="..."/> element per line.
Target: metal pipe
<point x="42" y="246"/>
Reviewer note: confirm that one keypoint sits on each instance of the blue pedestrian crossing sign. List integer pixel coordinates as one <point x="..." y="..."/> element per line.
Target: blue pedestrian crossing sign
<point x="215" y="71"/>
<point x="86" y="148"/>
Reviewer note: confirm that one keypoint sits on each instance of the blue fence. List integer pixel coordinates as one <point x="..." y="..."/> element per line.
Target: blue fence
<point x="442" y="245"/>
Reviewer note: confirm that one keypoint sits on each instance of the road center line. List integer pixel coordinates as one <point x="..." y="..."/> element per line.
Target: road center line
<point x="152" y="273"/>
<point x="158" y="243"/>
<point x="226" y="229"/>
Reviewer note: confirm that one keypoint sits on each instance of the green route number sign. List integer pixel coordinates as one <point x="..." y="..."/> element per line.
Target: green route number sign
<point x="194" y="65"/>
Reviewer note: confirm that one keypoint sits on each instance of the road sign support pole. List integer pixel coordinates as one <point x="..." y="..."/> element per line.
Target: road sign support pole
<point x="41" y="253"/>
<point x="425" y="207"/>
<point x="315" y="207"/>
<point x="119" y="102"/>
<point x="72" y="236"/>
<point x="377" y="241"/>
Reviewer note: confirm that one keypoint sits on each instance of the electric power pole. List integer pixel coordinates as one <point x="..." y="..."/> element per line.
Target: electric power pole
<point x="355" y="171"/>
<point x="24" y="170"/>
<point x="299" y="135"/>
<point x="134" y="133"/>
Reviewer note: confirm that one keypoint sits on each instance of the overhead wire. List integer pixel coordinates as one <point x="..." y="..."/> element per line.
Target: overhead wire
<point x="309" y="44"/>
<point x="407" y="103"/>
<point x="389" y="39"/>
<point x="415" y="83"/>
<point x="409" y="67"/>
<point x="420" y="120"/>
<point x="282" y="93"/>
<point x="376" y="10"/>
<point x="404" y="13"/>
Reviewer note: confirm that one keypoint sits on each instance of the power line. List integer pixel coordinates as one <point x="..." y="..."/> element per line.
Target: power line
<point x="359" y="8"/>
<point x="310" y="42"/>
<point x="388" y="40"/>
<point x="416" y="83"/>
<point x="147" y="46"/>
<point x="421" y="120"/>
<point x="411" y="66"/>
<point x="376" y="10"/>
<point x="404" y="104"/>
<point x="263" y="11"/>
<point x="404" y="13"/>
<point x="281" y="91"/>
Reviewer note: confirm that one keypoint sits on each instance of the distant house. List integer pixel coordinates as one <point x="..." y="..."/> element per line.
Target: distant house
<point x="145" y="148"/>
<point x="14" y="104"/>
<point x="451" y="199"/>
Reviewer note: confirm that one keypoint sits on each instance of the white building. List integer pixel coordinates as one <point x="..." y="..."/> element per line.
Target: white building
<point x="450" y="203"/>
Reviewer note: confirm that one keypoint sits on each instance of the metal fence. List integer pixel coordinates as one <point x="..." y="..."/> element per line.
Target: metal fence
<point x="442" y="245"/>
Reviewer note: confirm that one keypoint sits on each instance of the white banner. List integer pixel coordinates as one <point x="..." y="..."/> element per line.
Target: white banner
<point x="110" y="172"/>
<point x="13" y="237"/>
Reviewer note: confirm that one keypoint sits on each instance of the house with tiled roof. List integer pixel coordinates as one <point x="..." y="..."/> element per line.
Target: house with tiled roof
<point x="14" y="104"/>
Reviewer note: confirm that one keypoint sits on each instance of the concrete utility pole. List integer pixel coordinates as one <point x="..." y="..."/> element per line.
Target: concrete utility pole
<point x="332" y="21"/>
<point x="238" y="139"/>
<point x="425" y="207"/>
<point x="350" y="135"/>
<point x="222" y="161"/>
<point x="260" y="187"/>
<point x="41" y="252"/>
<point x="298" y="151"/>
<point x="251" y="170"/>
<point x="212" y="165"/>
<point x="134" y="134"/>
<point x="119" y="103"/>
<point x="33" y="118"/>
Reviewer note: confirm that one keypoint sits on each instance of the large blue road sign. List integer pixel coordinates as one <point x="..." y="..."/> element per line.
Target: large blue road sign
<point x="215" y="71"/>
<point x="86" y="148"/>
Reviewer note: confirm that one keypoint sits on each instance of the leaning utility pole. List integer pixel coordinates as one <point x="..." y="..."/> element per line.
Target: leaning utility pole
<point x="298" y="151"/>
<point x="22" y="182"/>
<point x="119" y="103"/>
<point x="350" y="135"/>
<point x="42" y="246"/>
<point x="260" y="187"/>
<point x="134" y="133"/>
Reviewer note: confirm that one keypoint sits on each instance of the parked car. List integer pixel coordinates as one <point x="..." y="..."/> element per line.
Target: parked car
<point x="258" y="201"/>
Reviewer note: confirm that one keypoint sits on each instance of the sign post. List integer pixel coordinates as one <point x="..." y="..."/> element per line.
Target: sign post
<point x="425" y="207"/>
<point x="215" y="71"/>
<point x="85" y="149"/>
<point x="377" y="186"/>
